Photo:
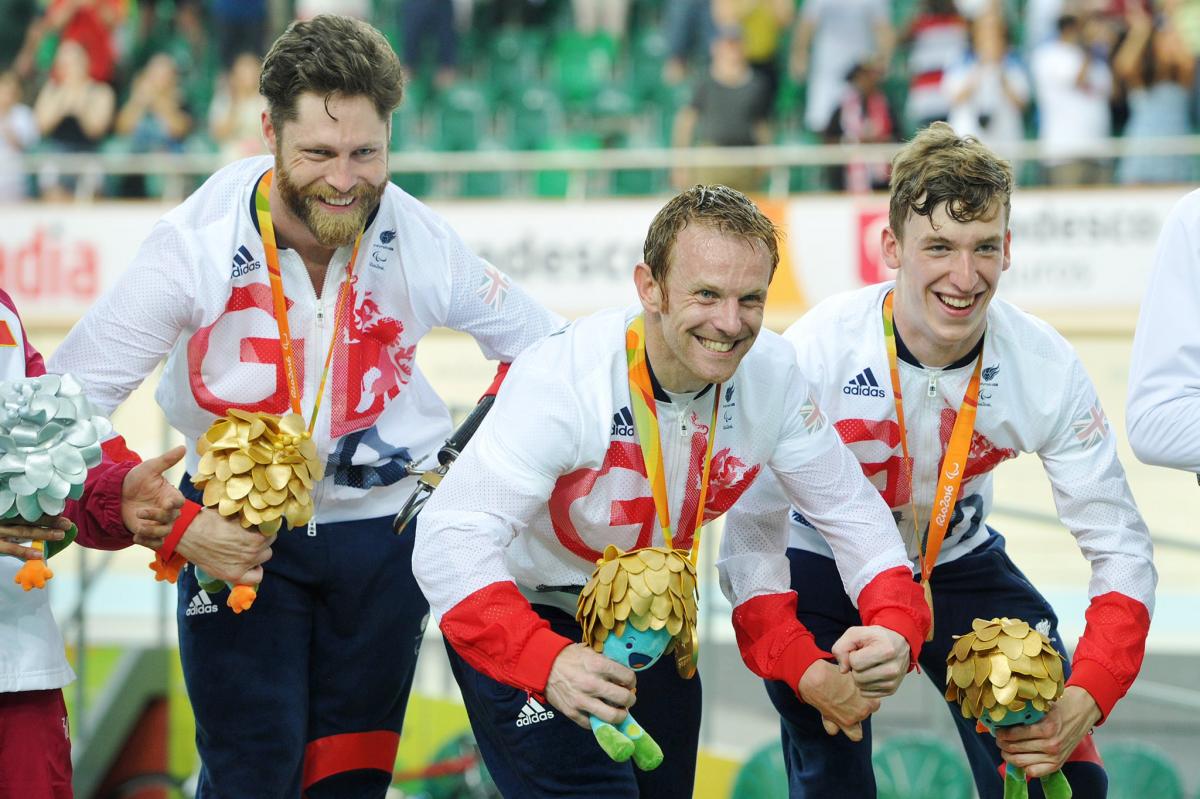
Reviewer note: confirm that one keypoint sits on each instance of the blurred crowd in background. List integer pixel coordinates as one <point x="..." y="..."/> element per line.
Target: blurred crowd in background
<point x="181" y="76"/>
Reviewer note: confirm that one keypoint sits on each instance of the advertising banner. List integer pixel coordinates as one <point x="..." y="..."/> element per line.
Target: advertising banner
<point x="1071" y="250"/>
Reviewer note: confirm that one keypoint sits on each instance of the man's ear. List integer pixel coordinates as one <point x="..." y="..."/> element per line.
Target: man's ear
<point x="269" y="133"/>
<point x="889" y="248"/>
<point x="649" y="290"/>
<point x="1007" y="249"/>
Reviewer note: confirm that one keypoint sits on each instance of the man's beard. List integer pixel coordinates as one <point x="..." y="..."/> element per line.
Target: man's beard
<point x="328" y="228"/>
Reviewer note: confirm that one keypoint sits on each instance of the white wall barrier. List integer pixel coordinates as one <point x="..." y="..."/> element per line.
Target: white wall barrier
<point x="1072" y="250"/>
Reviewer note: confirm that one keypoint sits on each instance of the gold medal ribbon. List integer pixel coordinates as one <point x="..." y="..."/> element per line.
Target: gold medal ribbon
<point x="262" y="207"/>
<point x="645" y="418"/>
<point x="954" y="464"/>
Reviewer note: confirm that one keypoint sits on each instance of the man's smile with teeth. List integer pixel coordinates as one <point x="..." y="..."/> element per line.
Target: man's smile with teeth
<point x="333" y="201"/>
<point x="715" y="346"/>
<point x="957" y="302"/>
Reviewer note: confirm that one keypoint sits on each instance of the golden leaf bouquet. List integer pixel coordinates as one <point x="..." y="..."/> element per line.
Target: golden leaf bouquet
<point x="259" y="467"/>
<point x="1005" y="673"/>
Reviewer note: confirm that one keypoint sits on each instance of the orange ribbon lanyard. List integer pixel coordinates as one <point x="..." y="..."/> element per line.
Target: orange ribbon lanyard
<point x="262" y="207"/>
<point x="645" y="420"/>
<point x="954" y="465"/>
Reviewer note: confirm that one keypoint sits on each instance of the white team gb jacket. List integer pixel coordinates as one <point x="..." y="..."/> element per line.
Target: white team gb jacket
<point x="198" y="293"/>
<point x="1034" y="397"/>
<point x="555" y="473"/>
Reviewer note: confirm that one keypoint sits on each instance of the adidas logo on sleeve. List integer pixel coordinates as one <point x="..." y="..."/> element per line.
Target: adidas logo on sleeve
<point x="864" y="384"/>
<point x="201" y="604"/>
<point x="533" y="712"/>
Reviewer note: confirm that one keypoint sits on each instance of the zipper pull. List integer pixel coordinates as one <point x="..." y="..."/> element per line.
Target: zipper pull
<point x="683" y="423"/>
<point x="312" y="528"/>
<point x="933" y="385"/>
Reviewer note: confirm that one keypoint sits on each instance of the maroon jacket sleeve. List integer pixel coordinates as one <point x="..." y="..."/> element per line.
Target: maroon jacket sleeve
<point x="97" y="513"/>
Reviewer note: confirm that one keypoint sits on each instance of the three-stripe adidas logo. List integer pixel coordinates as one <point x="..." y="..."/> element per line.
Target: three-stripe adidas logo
<point x="533" y="712"/>
<point x="864" y="384"/>
<point x="243" y="262"/>
<point x="200" y="604"/>
<point x="623" y="423"/>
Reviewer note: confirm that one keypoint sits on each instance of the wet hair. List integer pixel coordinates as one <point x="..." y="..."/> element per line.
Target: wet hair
<point x="330" y="55"/>
<point x="939" y="166"/>
<point x="719" y="207"/>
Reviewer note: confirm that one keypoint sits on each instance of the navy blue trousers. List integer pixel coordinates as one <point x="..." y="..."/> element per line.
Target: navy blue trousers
<point x="984" y="584"/>
<point x="318" y="669"/>
<point x="533" y="753"/>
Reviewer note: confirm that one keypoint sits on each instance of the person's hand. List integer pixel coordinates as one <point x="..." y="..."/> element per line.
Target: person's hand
<point x="149" y="504"/>
<point x="225" y="549"/>
<point x="1041" y="749"/>
<point x="583" y="682"/>
<point x="48" y="528"/>
<point x="837" y="698"/>
<point x="877" y="657"/>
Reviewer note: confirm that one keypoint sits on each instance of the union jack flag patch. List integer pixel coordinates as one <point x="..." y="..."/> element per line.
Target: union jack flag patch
<point x="811" y="415"/>
<point x="493" y="288"/>
<point x="1091" y="428"/>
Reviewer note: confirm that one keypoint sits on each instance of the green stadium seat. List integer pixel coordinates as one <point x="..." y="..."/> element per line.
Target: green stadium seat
<point x="461" y="118"/>
<point x="582" y="65"/>
<point x="533" y="119"/>
<point x="513" y="63"/>
<point x="647" y="56"/>
<point x="485" y="184"/>
<point x="557" y="182"/>
<point x="920" y="767"/>
<point x="638" y="182"/>
<point x="1139" y="771"/>
<point x="762" y="776"/>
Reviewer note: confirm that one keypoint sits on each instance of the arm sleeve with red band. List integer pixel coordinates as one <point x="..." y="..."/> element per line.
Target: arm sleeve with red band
<point x="773" y="642"/>
<point x="498" y="633"/>
<point x="1109" y="655"/>
<point x="893" y="600"/>
<point x="501" y="373"/>
<point x="186" y="514"/>
<point x="97" y="514"/>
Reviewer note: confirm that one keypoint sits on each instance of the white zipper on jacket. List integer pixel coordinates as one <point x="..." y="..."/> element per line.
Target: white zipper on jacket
<point x="676" y="454"/>
<point x="315" y="361"/>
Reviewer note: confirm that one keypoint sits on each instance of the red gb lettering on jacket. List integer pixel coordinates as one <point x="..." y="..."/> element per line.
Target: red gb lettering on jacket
<point x="729" y="479"/>
<point x="202" y="372"/>
<point x="876" y="445"/>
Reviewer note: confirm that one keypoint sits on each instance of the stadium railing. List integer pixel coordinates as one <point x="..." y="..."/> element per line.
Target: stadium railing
<point x="180" y="171"/>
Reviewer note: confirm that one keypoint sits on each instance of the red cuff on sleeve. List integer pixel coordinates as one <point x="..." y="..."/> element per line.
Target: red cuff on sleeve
<point x="894" y="600"/>
<point x="497" y="631"/>
<point x="186" y="514"/>
<point x="1109" y="655"/>
<point x="532" y="669"/>
<point x="772" y="641"/>
<point x="1093" y="678"/>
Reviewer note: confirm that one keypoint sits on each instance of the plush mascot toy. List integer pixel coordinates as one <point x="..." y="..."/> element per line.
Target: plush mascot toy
<point x="637" y="606"/>
<point x="259" y="468"/>
<point x="49" y="437"/>
<point x="1005" y="673"/>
